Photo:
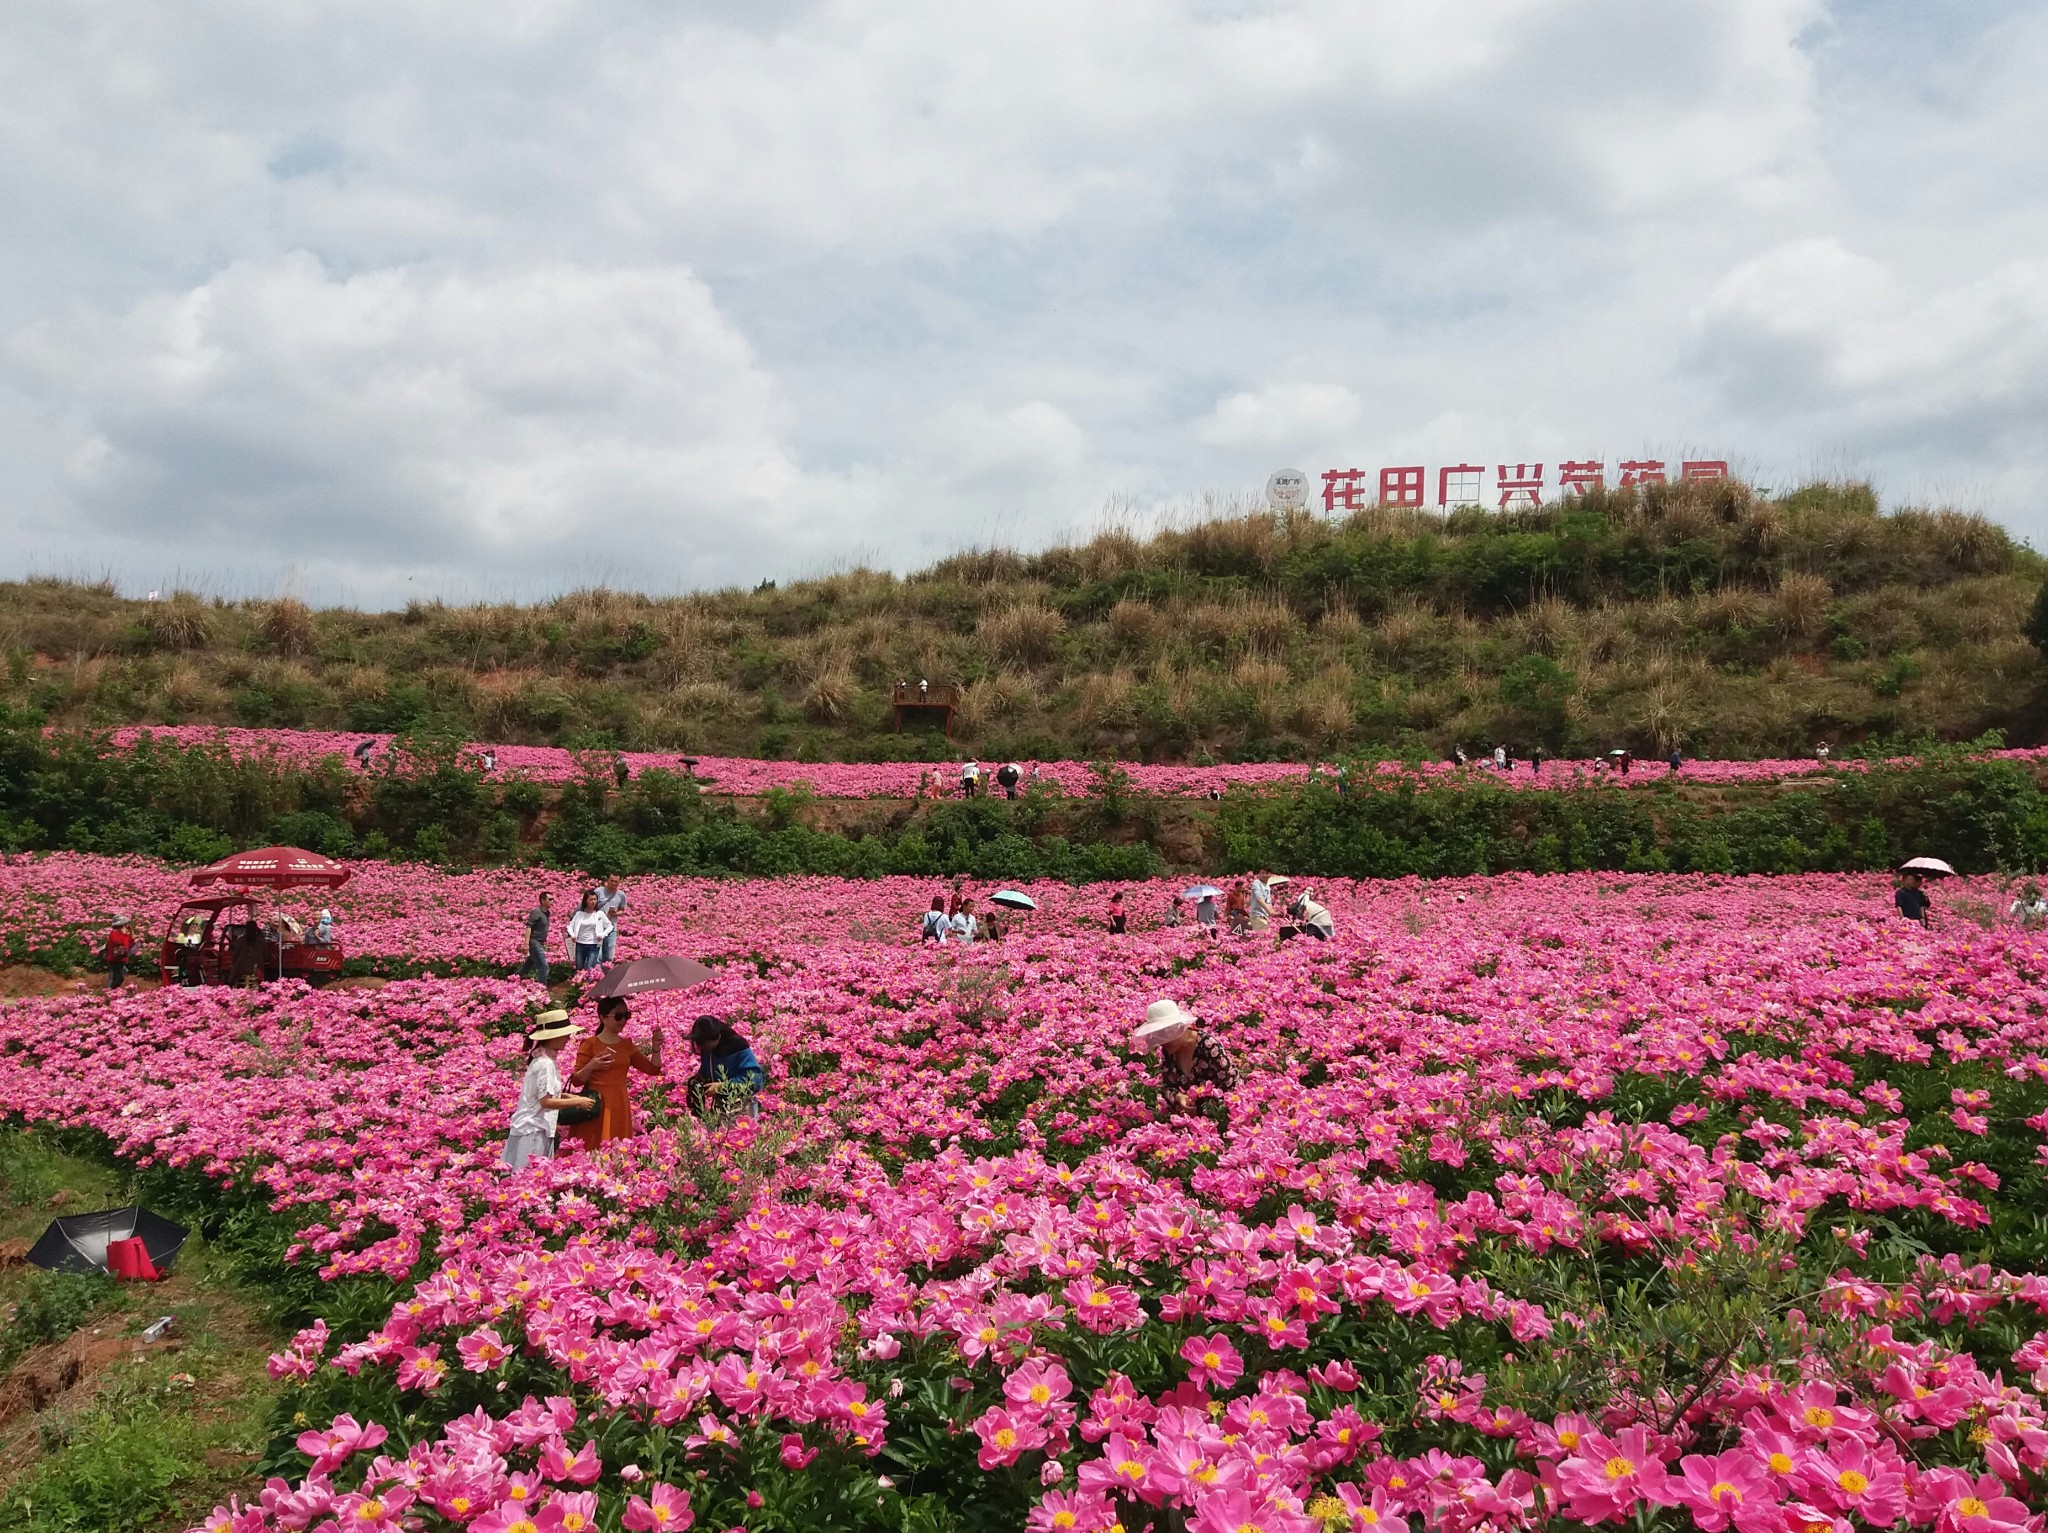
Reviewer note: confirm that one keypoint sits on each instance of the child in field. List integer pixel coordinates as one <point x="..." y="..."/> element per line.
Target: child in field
<point x="541" y="1097"/>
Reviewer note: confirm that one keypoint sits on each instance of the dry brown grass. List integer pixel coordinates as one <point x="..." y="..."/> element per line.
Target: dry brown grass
<point x="1104" y="700"/>
<point x="1025" y="633"/>
<point x="829" y="697"/>
<point x="1136" y="625"/>
<point x="1260" y="676"/>
<point x="183" y="622"/>
<point x="287" y="626"/>
<point x="1800" y="605"/>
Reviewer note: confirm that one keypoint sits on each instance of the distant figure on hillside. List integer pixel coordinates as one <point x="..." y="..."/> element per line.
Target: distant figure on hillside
<point x="1911" y="898"/>
<point x="1821" y="752"/>
<point x="490" y="761"/>
<point x="120" y="949"/>
<point x="2030" y="909"/>
<point x="538" y="920"/>
<point x="588" y="928"/>
<point x="1500" y="758"/>
<point x="924" y="688"/>
<point x="611" y="899"/>
<point x="1536" y="762"/>
<point x="1119" y="923"/>
<point x="1036" y="775"/>
<point x="935" y="927"/>
<point x="541" y="1097"/>
<point x="1260" y="894"/>
<point x="362" y="753"/>
<point x="1622" y="761"/>
<point x="970" y="778"/>
<point x="1008" y="775"/>
<point x="621" y="773"/>
<point x="1677" y="761"/>
<point x="1458" y="756"/>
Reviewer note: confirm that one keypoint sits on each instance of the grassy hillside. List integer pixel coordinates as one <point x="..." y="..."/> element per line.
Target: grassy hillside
<point x="1699" y="615"/>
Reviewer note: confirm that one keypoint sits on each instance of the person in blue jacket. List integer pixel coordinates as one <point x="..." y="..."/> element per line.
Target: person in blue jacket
<point x="724" y="1060"/>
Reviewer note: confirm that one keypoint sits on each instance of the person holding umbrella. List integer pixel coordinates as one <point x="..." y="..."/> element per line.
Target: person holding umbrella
<point x="1008" y="775"/>
<point x="541" y="1097"/>
<point x="603" y="1065"/>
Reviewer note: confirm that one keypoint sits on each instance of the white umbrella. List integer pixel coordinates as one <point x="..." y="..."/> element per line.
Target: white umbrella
<point x="1278" y="880"/>
<point x="1201" y="892"/>
<point x="1013" y="899"/>
<point x="1932" y="865"/>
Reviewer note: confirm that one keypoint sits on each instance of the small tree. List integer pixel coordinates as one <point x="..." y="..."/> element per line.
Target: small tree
<point x="2036" y="628"/>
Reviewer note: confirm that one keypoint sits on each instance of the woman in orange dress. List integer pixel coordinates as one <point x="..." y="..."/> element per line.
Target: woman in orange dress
<point x="603" y="1064"/>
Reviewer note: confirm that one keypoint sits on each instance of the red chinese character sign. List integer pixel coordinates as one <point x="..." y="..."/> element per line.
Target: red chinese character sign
<point x="1515" y="485"/>
<point x="1401" y="486"/>
<point x="1344" y="490"/>
<point x="1577" y="477"/>
<point x="1520" y="486"/>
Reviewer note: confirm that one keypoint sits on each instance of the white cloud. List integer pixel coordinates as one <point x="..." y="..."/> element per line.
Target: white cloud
<point x="778" y="281"/>
<point x="1281" y="417"/>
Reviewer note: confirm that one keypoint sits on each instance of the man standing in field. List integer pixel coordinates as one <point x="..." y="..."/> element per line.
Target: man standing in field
<point x="611" y="899"/>
<point x="538" y="920"/>
<point x="1262" y="901"/>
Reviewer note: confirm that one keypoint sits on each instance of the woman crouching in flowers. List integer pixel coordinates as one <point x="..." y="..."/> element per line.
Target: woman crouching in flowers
<point x="1187" y="1061"/>
<point x="540" y="1095"/>
<point x="729" y="1076"/>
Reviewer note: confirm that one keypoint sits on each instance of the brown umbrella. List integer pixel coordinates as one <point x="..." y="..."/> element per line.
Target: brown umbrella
<point x="644" y="975"/>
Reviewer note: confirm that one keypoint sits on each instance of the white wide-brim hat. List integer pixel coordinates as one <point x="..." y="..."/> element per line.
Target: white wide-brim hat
<point x="1165" y="1022"/>
<point x="550" y="1025"/>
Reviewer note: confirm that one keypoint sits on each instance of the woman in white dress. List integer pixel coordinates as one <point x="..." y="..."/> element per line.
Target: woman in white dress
<point x="540" y="1095"/>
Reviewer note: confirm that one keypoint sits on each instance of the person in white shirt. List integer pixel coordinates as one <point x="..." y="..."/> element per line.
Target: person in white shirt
<point x="936" y="926"/>
<point x="1311" y="920"/>
<point x="970" y="779"/>
<point x="1262" y="901"/>
<point x="541" y="1098"/>
<point x="588" y="928"/>
<point x="322" y="934"/>
<point x="964" y="925"/>
<point x="2030" y="910"/>
<point x="611" y="899"/>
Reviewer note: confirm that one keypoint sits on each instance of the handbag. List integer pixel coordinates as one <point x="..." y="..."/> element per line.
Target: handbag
<point x="570" y="1117"/>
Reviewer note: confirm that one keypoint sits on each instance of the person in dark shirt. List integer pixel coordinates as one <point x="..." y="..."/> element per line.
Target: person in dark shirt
<point x="1194" y="1074"/>
<point x="538" y="920"/>
<point x="1911" y="898"/>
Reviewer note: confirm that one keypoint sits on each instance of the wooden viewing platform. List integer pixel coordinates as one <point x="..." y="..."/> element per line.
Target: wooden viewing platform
<point x="925" y="704"/>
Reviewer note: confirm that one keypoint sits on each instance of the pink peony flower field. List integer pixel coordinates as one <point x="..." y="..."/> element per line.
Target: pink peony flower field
<point x="1590" y="1200"/>
<point x="744" y="777"/>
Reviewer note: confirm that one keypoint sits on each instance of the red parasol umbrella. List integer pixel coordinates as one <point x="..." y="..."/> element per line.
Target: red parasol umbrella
<point x="274" y="867"/>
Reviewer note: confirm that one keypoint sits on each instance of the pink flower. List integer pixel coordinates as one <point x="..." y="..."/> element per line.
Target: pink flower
<point x="1005" y="1437"/>
<point x="342" y="1439"/>
<point x="794" y="1454"/>
<point x="570" y="1513"/>
<point x="664" y="1509"/>
<point x="1038" y="1386"/>
<point x="579" y="1468"/>
<point x="481" y="1351"/>
<point x="1612" y="1475"/>
<point x="1724" y="1488"/>
<point x="1063" y="1512"/>
<point x="1212" y="1361"/>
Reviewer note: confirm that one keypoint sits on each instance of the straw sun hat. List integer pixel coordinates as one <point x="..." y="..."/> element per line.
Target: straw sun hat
<point x="1165" y="1022"/>
<point x="550" y="1025"/>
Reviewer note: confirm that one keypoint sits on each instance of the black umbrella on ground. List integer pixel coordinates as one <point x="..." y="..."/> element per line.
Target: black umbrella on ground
<point x="643" y="975"/>
<point x="78" y="1242"/>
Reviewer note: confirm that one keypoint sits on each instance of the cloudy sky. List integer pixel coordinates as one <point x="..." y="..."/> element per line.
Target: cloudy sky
<point x="370" y="299"/>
